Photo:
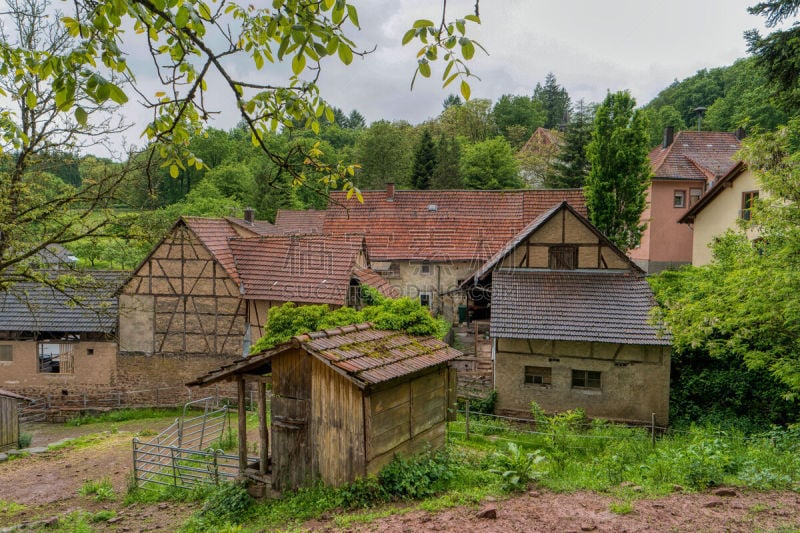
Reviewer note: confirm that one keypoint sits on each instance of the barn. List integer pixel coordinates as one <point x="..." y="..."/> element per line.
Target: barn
<point x="345" y="402"/>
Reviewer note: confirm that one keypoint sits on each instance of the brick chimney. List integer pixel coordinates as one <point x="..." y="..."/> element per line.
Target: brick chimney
<point x="669" y="135"/>
<point x="390" y="192"/>
<point x="249" y="215"/>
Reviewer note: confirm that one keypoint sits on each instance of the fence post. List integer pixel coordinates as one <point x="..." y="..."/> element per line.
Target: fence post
<point x="119" y="399"/>
<point x="216" y="466"/>
<point x="85" y="401"/>
<point x="135" y="470"/>
<point x="157" y="402"/>
<point x="653" y="429"/>
<point x="466" y="419"/>
<point x="174" y="467"/>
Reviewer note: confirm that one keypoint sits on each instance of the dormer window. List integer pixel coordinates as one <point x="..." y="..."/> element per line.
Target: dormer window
<point x="563" y="257"/>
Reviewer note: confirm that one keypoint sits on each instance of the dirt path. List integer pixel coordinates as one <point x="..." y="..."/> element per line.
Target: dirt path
<point x="47" y="485"/>
<point x="583" y="511"/>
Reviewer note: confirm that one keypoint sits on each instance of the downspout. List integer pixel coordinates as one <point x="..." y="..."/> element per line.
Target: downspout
<point x="494" y="363"/>
<point x="439" y="288"/>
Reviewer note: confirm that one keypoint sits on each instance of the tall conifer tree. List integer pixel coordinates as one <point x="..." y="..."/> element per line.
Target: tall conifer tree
<point x="424" y="162"/>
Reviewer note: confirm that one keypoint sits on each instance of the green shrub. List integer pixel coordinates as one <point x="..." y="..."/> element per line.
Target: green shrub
<point x="230" y="502"/>
<point x="363" y="492"/>
<point x="415" y="477"/>
<point x="516" y="467"/>
<point x="24" y="440"/>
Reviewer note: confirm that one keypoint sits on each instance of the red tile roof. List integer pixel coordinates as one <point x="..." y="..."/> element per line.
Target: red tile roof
<point x="698" y="155"/>
<point x="308" y="221"/>
<point x="370" y="278"/>
<point x="601" y="306"/>
<point x="712" y="193"/>
<point x="259" y="227"/>
<point x="442" y="225"/>
<point x="215" y="234"/>
<point x="312" y="269"/>
<point x="365" y="355"/>
<point x="543" y="137"/>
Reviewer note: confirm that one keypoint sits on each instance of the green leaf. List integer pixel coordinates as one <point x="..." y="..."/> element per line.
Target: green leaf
<point x="425" y="69"/>
<point x="473" y="18"/>
<point x="182" y="17"/>
<point x="173" y="170"/>
<point x="81" y="115"/>
<point x="298" y="63"/>
<point x="467" y="48"/>
<point x="465" y="90"/>
<point x="30" y="99"/>
<point x="204" y="10"/>
<point x="116" y="94"/>
<point x="258" y="59"/>
<point x="353" y="14"/>
<point x="408" y="36"/>
<point x="345" y="54"/>
<point x="422" y="23"/>
<point x="461" y="26"/>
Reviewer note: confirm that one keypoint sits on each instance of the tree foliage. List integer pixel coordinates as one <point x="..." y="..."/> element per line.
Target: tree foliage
<point x="777" y="52"/>
<point x="517" y="117"/>
<point x="554" y="101"/>
<point x="424" y="162"/>
<point x="616" y="185"/>
<point x="570" y="168"/>
<point x="746" y="303"/>
<point x="490" y="165"/>
<point x="447" y="173"/>
<point x="402" y="314"/>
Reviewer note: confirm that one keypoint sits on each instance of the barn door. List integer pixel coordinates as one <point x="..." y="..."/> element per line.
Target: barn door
<point x="291" y="454"/>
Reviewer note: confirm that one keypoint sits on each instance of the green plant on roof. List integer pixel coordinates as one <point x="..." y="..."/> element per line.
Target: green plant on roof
<point x="402" y="314"/>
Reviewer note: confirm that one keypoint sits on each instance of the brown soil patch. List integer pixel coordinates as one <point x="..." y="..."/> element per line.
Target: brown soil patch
<point x="586" y="511"/>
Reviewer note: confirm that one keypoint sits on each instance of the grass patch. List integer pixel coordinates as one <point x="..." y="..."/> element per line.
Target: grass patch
<point x="102" y="516"/>
<point x="621" y="508"/>
<point x="124" y="415"/>
<point x="101" y="490"/>
<point x="8" y="509"/>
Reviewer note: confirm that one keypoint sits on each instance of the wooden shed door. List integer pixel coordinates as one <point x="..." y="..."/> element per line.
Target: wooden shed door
<point x="291" y="454"/>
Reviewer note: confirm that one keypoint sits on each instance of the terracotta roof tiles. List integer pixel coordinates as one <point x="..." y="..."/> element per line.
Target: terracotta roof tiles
<point x="698" y="155"/>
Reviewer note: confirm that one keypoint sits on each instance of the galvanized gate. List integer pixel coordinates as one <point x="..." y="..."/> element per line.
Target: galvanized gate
<point x="183" y="454"/>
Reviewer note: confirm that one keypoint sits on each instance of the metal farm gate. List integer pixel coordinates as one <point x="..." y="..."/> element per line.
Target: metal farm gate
<point x="183" y="454"/>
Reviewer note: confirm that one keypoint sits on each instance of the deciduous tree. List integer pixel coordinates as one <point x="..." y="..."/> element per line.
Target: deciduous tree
<point x="490" y="165"/>
<point x="616" y="185"/>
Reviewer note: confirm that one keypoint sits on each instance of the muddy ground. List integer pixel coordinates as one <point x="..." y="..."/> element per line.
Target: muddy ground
<point x="47" y="486"/>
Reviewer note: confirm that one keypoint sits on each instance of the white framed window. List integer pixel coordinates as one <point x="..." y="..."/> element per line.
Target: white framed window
<point x="679" y="199"/>
<point x="694" y="196"/>
<point x="538" y="375"/>
<point x="425" y="268"/>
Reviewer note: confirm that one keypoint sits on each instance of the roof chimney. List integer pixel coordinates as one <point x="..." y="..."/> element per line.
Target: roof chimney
<point x="390" y="192"/>
<point x="740" y="133"/>
<point x="669" y="135"/>
<point x="249" y="215"/>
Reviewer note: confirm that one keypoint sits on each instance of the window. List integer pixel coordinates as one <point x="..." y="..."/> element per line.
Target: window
<point x="563" y="257"/>
<point x="425" y="299"/>
<point x="694" y="196"/>
<point x="55" y="358"/>
<point x="5" y="353"/>
<point x="585" y="379"/>
<point x="537" y="375"/>
<point x="748" y="201"/>
<point x="679" y="199"/>
<point x="425" y="268"/>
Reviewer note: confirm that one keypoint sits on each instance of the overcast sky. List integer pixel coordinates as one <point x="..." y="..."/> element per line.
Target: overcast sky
<point x="590" y="45"/>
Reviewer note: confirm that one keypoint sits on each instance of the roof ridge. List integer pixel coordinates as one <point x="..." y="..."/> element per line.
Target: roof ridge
<point x="331" y="332"/>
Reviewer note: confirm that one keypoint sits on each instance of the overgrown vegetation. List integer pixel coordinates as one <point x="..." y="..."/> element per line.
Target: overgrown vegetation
<point x="123" y="415"/>
<point x="100" y="491"/>
<point x="401" y="314"/>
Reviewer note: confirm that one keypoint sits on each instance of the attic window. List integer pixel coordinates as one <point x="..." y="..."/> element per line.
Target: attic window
<point x="425" y="268"/>
<point x="433" y="207"/>
<point x="564" y="257"/>
<point x="694" y="196"/>
<point x="679" y="199"/>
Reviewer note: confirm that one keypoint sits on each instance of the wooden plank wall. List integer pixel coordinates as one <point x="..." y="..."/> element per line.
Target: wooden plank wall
<point x="9" y="423"/>
<point x="291" y="401"/>
<point x="407" y="418"/>
<point x="337" y="426"/>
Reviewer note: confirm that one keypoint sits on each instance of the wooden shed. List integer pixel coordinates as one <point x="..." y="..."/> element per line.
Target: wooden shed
<point x="9" y="419"/>
<point x="345" y="402"/>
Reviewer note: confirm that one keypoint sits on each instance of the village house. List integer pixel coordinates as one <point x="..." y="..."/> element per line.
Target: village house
<point x="724" y="207"/>
<point x="345" y="401"/>
<point x="59" y="340"/>
<point x="425" y="243"/>
<point x="201" y="297"/>
<point x="570" y="324"/>
<point x="685" y="166"/>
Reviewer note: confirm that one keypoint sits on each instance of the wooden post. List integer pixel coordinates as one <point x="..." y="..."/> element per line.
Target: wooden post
<point x="466" y="420"/>
<point x="653" y="429"/>
<point x="262" y="428"/>
<point x="242" y="427"/>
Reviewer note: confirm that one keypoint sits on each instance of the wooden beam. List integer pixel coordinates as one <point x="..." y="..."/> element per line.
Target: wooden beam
<point x="262" y="428"/>
<point x="242" y="428"/>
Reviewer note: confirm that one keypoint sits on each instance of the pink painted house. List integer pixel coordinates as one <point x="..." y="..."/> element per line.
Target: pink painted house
<point x="684" y="166"/>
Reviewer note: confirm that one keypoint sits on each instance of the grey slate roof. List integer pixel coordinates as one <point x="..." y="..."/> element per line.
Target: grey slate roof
<point x="573" y="305"/>
<point x="33" y="307"/>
